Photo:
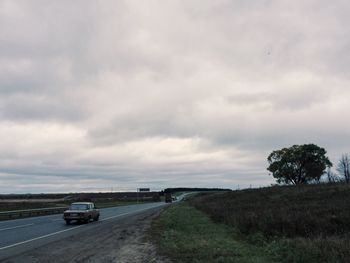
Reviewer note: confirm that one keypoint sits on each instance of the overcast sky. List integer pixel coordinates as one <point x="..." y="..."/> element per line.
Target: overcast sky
<point x="96" y="95"/>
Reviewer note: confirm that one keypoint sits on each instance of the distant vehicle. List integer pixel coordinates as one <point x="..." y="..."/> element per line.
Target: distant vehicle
<point x="168" y="198"/>
<point x="81" y="212"/>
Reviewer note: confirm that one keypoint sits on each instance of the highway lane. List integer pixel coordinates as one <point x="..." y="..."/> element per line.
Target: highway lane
<point x="17" y="236"/>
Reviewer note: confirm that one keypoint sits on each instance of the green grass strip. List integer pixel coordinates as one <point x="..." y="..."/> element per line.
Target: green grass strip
<point x="185" y="234"/>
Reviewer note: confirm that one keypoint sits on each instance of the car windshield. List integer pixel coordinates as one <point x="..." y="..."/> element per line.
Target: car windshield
<point x="78" y="207"/>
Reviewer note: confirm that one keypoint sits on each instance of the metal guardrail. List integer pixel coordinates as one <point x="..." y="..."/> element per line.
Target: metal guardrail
<point x="30" y="212"/>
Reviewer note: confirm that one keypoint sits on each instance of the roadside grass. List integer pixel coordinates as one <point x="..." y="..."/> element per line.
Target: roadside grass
<point x="184" y="234"/>
<point x="12" y="206"/>
<point x="292" y="224"/>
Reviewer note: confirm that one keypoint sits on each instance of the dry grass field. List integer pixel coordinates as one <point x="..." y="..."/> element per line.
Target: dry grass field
<point x="293" y="223"/>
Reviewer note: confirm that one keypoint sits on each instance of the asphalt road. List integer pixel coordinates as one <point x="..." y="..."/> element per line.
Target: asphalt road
<point x="21" y="235"/>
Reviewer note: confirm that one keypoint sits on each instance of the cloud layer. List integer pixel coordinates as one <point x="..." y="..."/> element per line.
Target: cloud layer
<point x="128" y="94"/>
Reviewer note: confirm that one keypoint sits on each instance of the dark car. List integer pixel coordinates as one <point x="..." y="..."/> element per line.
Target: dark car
<point x="168" y="198"/>
<point x="81" y="212"/>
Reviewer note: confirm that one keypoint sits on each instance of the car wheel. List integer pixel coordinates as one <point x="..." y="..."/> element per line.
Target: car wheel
<point x="96" y="218"/>
<point x="67" y="221"/>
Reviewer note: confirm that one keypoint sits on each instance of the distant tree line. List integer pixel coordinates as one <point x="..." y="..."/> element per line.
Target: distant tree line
<point x="305" y="164"/>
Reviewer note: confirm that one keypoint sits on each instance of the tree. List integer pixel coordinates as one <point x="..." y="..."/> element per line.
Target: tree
<point x="331" y="177"/>
<point x="343" y="167"/>
<point x="299" y="164"/>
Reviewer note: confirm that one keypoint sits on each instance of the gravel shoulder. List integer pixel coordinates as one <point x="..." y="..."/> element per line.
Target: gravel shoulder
<point x="119" y="241"/>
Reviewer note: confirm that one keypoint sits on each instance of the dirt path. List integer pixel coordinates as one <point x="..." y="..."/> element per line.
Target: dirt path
<point x="122" y="241"/>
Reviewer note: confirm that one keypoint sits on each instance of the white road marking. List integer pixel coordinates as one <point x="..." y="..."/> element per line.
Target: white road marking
<point x="33" y="239"/>
<point x="14" y="227"/>
<point x="111" y="217"/>
<point x="65" y="230"/>
<point x="27" y="218"/>
<point x="105" y="219"/>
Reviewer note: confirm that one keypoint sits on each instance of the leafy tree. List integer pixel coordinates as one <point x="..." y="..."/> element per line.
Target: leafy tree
<point x="343" y="167"/>
<point x="299" y="164"/>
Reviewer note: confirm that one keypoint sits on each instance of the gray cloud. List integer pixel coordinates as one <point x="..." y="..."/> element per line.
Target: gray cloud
<point x="29" y="108"/>
<point x="166" y="93"/>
